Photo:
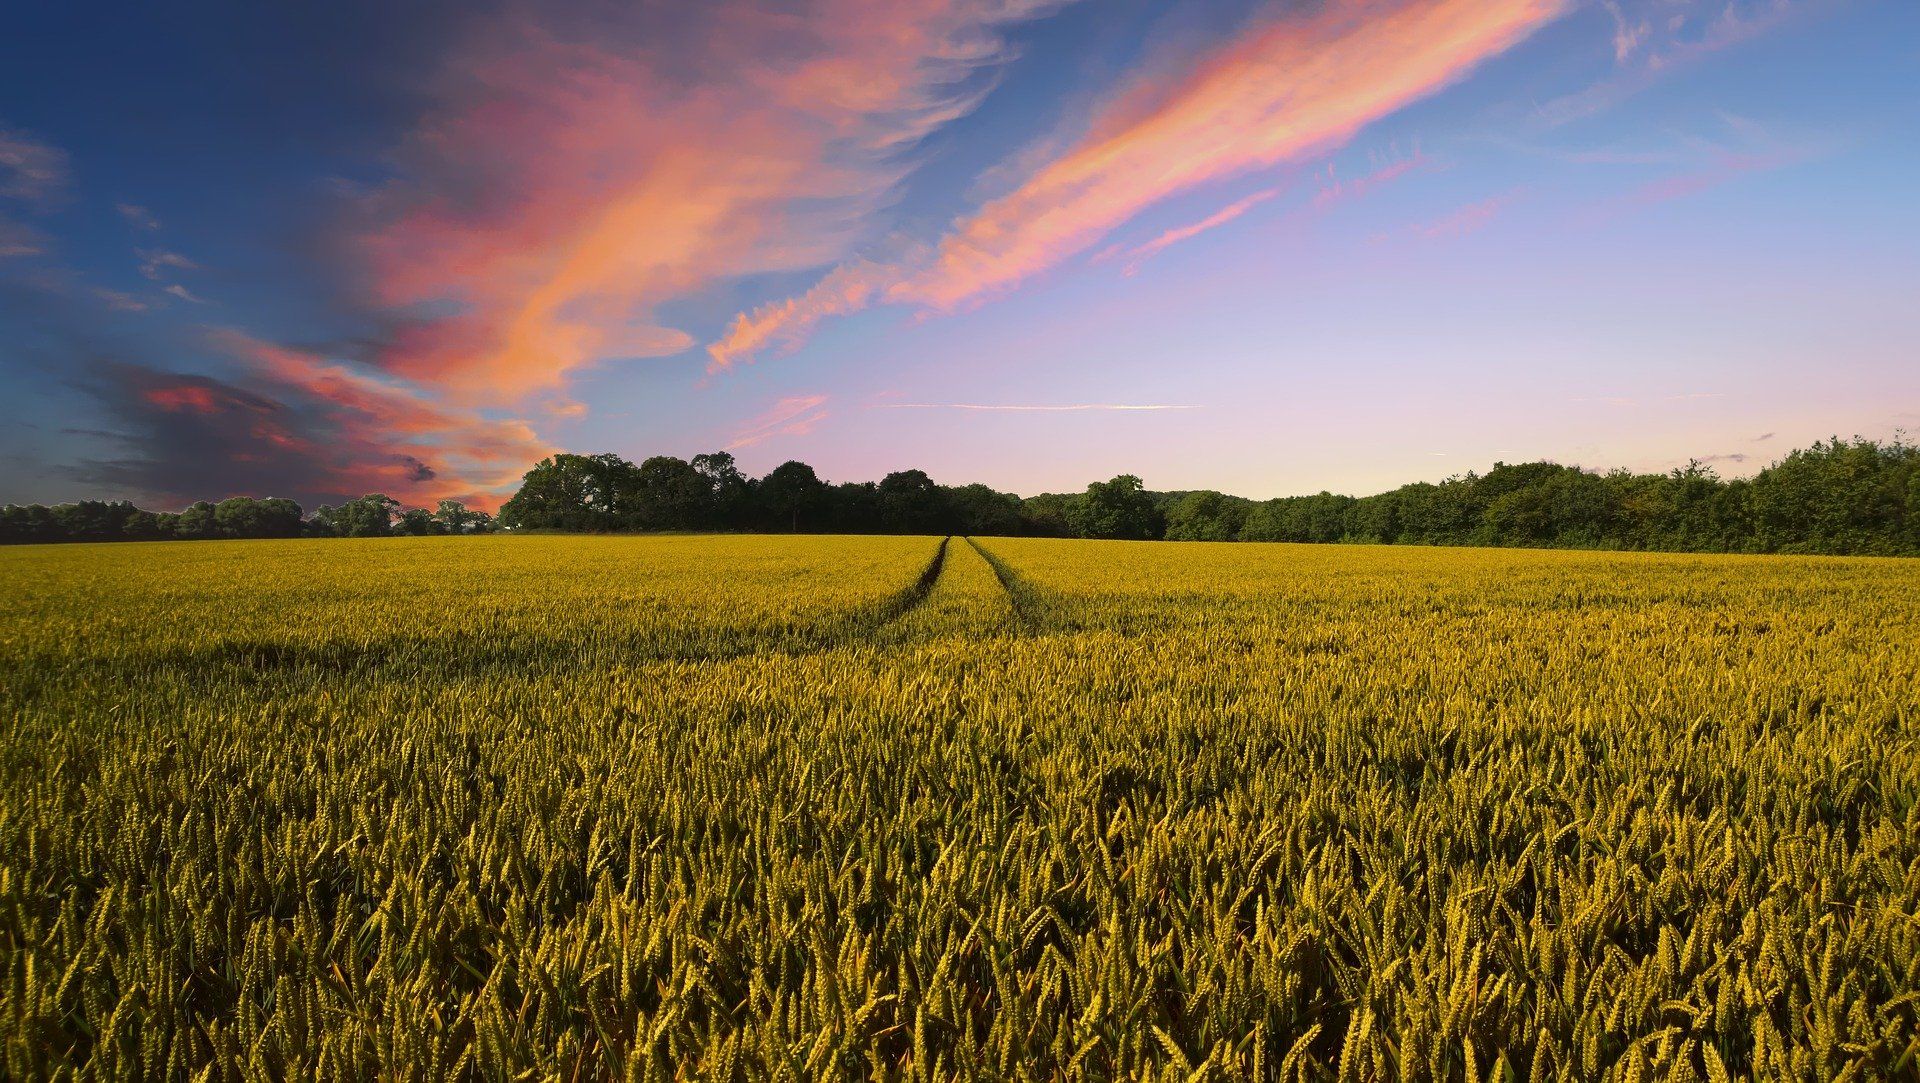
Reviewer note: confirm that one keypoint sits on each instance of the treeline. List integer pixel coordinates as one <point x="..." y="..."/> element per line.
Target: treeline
<point x="372" y="516"/>
<point x="1838" y="496"/>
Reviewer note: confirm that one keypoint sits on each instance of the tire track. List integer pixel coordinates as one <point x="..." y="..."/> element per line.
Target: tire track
<point x="1025" y="600"/>
<point x="914" y="596"/>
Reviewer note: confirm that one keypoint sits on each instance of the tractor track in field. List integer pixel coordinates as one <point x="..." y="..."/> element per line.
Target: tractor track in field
<point x="474" y="655"/>
<point x="1020" y="595"/>
<point x="916" y="595"/>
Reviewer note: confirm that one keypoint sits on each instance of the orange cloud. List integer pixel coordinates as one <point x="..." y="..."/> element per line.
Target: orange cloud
<point x="793" y="416"/>
<point x="1136" y="256"/>
<point x="568" y="189"/>
<point x="846" y="289"/>
<point x="1298" y="86"/>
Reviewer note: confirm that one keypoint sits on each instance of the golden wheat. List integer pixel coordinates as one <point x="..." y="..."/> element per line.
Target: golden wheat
<point x="747" y="808"/>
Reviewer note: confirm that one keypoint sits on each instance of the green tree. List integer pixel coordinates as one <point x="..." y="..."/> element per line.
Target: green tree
<point x="1120" y="508"/>
<point x="1206" y="516"/>
<point x="573" y="492"/>
<point x="418" y="523"/>
<point x="197" y="521"/>
<point x="730" y="492"/>
<point x="981" y="511"/>
<point x="458" y="518"/>
<point x="671" y="494"/>
<point x="792" y="492"/>
<point x="371" y="516"/>
<point x="910" y="503"/>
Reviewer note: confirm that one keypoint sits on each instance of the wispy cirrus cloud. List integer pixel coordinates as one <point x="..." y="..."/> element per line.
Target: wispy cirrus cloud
<point x="1074" y="407"/>
<point x="571" y="184"/>
<point x="155" y="263"/>
<point x="31" y="171"/>
<point x="1468" y="219"/>
<point x="1651" y="38"/>
<point x="1299" y="86"/>
<point x="137" y="216"/>
<point x="19" y="239"/>
<point x="1335" y="189"/>
<point x="1295" y="86"/>
<point x="796" y="415"/>
<point x="1740" y="146"/>
<point x="1139" y="254"/>
<point x="784" y="324"/>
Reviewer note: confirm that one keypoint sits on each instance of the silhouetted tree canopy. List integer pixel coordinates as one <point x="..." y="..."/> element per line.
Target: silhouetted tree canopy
<point x="1838" y="496"/>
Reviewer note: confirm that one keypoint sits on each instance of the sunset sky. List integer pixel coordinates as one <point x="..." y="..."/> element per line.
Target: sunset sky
<point x="1264" y="247"/>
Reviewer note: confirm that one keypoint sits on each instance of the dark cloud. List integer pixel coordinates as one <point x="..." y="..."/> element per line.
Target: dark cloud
<point x="1729" y="457"/>
<point x="169" y="432"/>
<point x="1763" y="437"/>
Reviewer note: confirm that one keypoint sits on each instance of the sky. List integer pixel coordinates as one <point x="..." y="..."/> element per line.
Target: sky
<point x="1258" y="246"/>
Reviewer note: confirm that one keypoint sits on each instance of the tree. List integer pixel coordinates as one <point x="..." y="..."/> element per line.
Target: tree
<point x="1120" y="508"/>
<point x="418" y="523"/>
<point x="910" y="503"/>
<point x="979" y="510"/>
<point x="570" y="492"/>
<point x="197" y="521"/>
<point x="852" y="507"/>
<point x="791" y="492"/>
<point x="1051" y="514"/>
<point x="1837" y="496"/>
<point x="245" y="517"/>
<point x="730" y="493"/>
<point x="460" y="519"/>
<point x="670" y="495"/>
<point x="1206" y="516"/>
<point x="371" y="516"/>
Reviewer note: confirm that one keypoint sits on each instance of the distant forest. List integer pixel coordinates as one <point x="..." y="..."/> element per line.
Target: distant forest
<point x="1855" y="496"/>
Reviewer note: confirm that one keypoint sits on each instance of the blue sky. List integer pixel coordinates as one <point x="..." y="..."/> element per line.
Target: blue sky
<point x="1263" y="247"/>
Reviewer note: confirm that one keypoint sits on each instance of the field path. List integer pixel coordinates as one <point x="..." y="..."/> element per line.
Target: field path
<point x="1021" y="595"/>
<point x="915" y="596"/>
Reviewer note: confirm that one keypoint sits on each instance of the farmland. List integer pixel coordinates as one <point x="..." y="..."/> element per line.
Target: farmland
<point x="818" y="807"/>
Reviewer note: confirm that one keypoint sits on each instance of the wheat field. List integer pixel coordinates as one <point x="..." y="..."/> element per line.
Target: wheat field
<point x="920" y="808"/>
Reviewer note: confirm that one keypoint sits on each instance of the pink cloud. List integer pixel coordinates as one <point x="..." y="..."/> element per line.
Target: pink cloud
<point x="1076" y="407"/>
<point x="1335" y="191"/>
<point x="1464" y="220"/>
<point x="184" y="398"/>
<point x="847" y="288"/>
<point x="566" y="189"/>
<point x="1139" y="255"/>
<point x="795" y="415"/>
<point x="1298" y="86"/>
<point x="378" y="426"/>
